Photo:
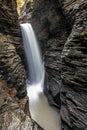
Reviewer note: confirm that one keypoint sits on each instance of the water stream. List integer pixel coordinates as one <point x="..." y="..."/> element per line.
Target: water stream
<point x="41" y="112"/>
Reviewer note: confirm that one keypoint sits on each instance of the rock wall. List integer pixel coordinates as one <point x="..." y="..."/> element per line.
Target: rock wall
<point x="11" y="49"/>
<point x="74" y="69"/>
<point x="61" y="28"/>
<point x="13" y="99"/>
<point x="12" y="117"/>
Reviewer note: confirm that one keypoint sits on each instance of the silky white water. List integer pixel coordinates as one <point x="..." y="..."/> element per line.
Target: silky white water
<point x="41" y="112"/>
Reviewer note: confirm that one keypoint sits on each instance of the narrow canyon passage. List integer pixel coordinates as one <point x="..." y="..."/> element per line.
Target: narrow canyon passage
<point x="61" y="30"/>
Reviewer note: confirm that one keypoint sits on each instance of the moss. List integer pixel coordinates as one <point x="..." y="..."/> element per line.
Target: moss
<point x="19" y="5"/>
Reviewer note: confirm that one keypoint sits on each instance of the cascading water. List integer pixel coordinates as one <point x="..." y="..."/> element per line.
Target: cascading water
<point x="45" y="115"/>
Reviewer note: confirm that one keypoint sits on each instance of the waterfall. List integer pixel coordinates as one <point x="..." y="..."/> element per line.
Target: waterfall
<point x="41" y="112"/>
<point x="36" y="67"/>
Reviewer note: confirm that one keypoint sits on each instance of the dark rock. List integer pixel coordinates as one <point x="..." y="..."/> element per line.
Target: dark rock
<point x="50" y="28"/>
<point x="11" y="49"/>
<point x="11" y="66"/>
<point x="61" y="28"/>
<point x="12" y="72"/>
<point x="74" y="67"/>
<point x="11" y="115"/>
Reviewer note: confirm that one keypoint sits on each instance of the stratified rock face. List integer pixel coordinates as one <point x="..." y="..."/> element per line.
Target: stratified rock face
<point x="11" y="49"/>
<point x="8" y="18"/>
<point x="12" y="72"/>
<point x="50" y="28"/>
<point x="12" y="69"/>
<point x="61" y="28"/>
<point x="74" y="69"/>
<point x="9" y="24"/>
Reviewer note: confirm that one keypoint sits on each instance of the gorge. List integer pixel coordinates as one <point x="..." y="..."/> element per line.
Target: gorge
<point x="61" y="29"/>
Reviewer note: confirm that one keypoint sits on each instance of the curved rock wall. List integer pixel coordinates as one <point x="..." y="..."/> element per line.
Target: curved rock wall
<point x="51" y="29"/>
<point x="11" y="49"/>
<point x="12" y="69"/>
<point x="61" y="28"/>
<point x="14" y="113"/>
<point x="74" y="69"/>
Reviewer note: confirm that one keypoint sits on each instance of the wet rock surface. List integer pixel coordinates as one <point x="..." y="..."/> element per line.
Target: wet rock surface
<point x="14" y="114"/>
<point x="12" y="117"/>
<point x="61" y="28"/>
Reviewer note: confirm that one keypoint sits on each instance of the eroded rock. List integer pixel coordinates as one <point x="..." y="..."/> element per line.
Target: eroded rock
<point x="12" y="72"/>
<point x="11" y="48"/>
<point x="11" y="115"/>
<point x="74" y="69"/>
<point x="61" y="27"/>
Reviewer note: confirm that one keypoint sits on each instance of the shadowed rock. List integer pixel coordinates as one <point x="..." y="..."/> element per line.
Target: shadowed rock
<point x="61" y="27"/>
<point x="11" y="115"/>
<point x="12" y="69"/>
<point x="74" y="69"/>
<point x="12" y="72"/>
<point x="11" y="49"/>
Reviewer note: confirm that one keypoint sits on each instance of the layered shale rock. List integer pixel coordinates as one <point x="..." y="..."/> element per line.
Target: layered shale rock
<point x="12" y="72"/>
<point x="61" y="28"/>
<point x="11" y="49"/>
<point x="50" y="28"/>
<point x="11" y="68"/>
<point x="74" y="69"/>
<point x="9" y="24"/>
